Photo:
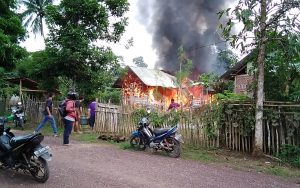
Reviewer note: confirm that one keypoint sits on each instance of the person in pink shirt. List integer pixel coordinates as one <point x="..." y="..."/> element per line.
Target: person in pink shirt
<point x="69" y="119"/>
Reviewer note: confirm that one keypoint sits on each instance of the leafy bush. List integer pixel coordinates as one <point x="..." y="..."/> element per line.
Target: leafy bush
<point x="230" y="96"/>
<point x="157" y="118"/>
<point x="113" y="96"/>
<point x="290" y="154"/>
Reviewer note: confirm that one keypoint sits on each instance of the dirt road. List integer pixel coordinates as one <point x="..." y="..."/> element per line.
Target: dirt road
<point x="94" y="165"/>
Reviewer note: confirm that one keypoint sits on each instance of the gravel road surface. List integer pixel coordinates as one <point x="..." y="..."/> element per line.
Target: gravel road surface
<point x="98" y="165"/>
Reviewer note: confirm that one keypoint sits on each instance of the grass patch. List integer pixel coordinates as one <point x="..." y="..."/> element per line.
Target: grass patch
<point x="85" y="137"/>
<point x="125" y="145"/>
<point x="282" y="171"/>
<point x="198" y="154"/>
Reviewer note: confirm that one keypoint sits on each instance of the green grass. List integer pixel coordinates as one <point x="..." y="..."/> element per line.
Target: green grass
<point x="85" y="137"/>
<point x="282" y="171"/>
<point x="198" y="154"/>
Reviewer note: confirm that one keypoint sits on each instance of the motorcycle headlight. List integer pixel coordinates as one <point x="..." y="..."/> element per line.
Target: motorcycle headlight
<point x="144" y="121"/>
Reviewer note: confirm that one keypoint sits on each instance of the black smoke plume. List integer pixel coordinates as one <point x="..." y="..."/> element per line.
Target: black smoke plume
<point x="190" y="23"/>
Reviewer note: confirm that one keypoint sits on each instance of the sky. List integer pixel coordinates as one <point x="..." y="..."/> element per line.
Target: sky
<point x="142" y="41"/>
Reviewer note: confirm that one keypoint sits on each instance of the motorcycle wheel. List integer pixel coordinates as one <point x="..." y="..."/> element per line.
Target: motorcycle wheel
<point x="175" y="152"/>
<point x="136" y="143"/>
<point x="40" y="170"/>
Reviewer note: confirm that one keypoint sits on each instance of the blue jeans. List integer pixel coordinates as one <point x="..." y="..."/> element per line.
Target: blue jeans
<point x="67" y="130"/>
<point x="44" y="121"/>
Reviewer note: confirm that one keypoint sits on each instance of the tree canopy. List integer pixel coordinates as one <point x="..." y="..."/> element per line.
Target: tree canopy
<point x="75" y="27"/>
<point x="11" y="32"/>
<point x="258" y="18"/>
<point x="34" y="14"/>
<point x="283" y="67"/>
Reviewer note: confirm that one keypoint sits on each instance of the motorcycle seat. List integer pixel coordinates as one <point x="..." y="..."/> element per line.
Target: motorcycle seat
<point x="18" y="140"/>
<point x="160" y="131"/>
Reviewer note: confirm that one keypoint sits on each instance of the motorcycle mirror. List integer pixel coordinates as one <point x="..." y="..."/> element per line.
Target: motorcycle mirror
<point x="148" y="110"/>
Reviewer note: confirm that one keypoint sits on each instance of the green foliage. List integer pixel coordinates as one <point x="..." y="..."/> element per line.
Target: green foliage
<point x="290" y="154"/>
<point x="37" y="66"/>
<point x="186" y="66"/>
<point x="112" y="96"/>
<point x="11" y="32"/>
<point x="282" y="65"/>
<point x="139" y="61"/>
<point x="230" y="96"/>
<point x="75" y="26"/>
<point x="228" y="57"/>
<point x="211" y="80"/>
<point x="158" y="118"/>
<point x="208" y="79"/>
<point x="6" y="90"/>
<point x="137" y="114"/>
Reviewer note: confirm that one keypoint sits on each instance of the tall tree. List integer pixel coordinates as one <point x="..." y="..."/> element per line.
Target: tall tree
<point x="74" y="28"/>
<point x="283" y="65"/>
<point x="11" y="33"/>
<point x="34" y="14"/>
<point x="185" y="69"/>
<point x="258" y="17"/>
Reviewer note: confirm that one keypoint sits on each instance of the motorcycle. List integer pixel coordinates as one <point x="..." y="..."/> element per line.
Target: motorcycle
<point x="24" y="153"/>
<point x="18" y="115"/>
<point x="166" y="139"/>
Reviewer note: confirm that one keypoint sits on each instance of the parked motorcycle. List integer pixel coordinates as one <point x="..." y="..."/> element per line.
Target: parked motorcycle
<point x="166" y="139"/>
<point x="24" y="153"/>
<point x="19" y="115"/>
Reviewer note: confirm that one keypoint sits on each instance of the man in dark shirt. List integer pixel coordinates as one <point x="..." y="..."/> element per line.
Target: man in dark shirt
<point x="48" y="116"/>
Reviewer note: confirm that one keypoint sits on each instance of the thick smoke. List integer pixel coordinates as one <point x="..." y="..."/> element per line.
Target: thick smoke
<point x="190" y="23"/>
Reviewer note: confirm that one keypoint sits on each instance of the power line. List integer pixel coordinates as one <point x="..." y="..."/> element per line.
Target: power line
<point x="206" y="45"/>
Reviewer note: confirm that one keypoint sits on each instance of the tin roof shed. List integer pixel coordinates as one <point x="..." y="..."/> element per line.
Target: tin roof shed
<point x="152" y="77"/>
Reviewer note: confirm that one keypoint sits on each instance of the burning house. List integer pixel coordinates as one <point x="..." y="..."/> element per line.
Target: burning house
<point x="142" y="86"/>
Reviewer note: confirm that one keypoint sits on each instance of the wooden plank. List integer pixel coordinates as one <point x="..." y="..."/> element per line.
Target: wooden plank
<point x="278" y="142"/>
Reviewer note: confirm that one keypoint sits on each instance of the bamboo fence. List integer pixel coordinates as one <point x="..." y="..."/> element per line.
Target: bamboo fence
<point x="283" y="127"/>
<point x="229" y="133"/>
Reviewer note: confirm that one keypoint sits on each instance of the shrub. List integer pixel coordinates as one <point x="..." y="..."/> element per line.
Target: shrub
<point x="290" y="154"/>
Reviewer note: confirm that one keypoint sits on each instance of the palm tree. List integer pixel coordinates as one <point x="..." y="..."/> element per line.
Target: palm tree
<point x="34" y="14"/>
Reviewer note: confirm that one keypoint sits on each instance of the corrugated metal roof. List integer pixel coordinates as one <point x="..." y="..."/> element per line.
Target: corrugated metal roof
<point x="153" y="77"/>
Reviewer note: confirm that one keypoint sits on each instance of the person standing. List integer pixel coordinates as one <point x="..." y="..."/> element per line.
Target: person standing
<point x="48" y="116"/>
<point x="77" y="126"/>
<point x="92" y="113"/>
<point x="173" y="105"/>
<point x="69" y="119"/>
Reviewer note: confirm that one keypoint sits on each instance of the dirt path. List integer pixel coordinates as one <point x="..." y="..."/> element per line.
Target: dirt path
<point x="94" y="165"/>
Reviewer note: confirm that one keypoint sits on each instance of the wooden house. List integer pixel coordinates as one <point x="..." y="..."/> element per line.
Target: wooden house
<point x="242" y="75"/>
<point x="156" y="87"/>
